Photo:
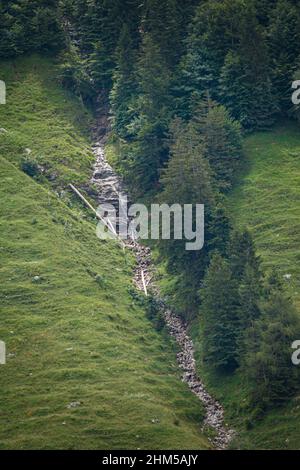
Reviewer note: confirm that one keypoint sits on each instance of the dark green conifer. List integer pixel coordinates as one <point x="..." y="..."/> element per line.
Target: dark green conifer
<point x="219" y="312"/>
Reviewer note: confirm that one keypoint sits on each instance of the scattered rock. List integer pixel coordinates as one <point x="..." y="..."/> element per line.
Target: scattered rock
<point x="73" y="404"/>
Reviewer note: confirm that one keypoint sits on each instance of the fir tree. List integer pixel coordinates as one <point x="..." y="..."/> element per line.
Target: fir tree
<point x="242" y="254"/>
<point x="218" y="229"/>
<point x="246" y="91"/>
<point x="221" y="136"/>
<point x="250" y="292"/>
<point x="74" y="75"/>
<point x="219" y="312"/>
<point x="149" y="151"/>
<point x="267" y="365"/>
<point x="124" y="85"/>
<point x="186" y="180"/>
<point x="165" y="22"/>
<point x="214" y="31"/>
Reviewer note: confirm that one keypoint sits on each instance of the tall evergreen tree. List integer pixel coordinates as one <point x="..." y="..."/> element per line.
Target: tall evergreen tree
<point x="221" y="136"/>
<point x="219" y="312"/>
<point x="186" y="180"/>
<point x="213" y="32"/>
<point x="165" y="22"/>
<point x="218" y="228"/>
<point x="153" y="113"/>
<point x="245" y="80"/>
<point x="242" y="255"/>
<point x="250" y="294"/>
<point x="74" y="75"/>
<point x="98" y="26"/>
<point x="268" y="365"/>
<point x="124" y="85"/>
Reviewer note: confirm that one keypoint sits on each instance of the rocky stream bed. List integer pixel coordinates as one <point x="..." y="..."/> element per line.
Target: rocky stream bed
<point x="109" y="189"/>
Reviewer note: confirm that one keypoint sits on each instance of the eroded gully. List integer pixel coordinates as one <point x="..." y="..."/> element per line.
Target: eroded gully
<point x="109" y="188"/>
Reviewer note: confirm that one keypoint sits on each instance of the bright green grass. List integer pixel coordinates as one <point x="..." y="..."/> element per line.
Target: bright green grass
<point x="268" y="199"/>
<point x="41" y="116"/>
<point x="76" y="333"/>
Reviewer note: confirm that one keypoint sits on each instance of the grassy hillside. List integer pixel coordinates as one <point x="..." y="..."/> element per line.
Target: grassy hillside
<point x="267" y="199"/>
<point x="44" y="120"/>
<point x="74" y="332"/>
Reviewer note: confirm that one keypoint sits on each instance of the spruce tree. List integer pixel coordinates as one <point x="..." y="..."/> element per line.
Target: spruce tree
<point x="219" y="312"/>
<point x="268" y="365"/>
<point x="221" y="136"/>
<point x="250" y="293"/>
<point x="165" y="22"/>
<point x="227" y="56"/>
<point x="124" y="85"/>
<point x="149" y="150"/>
<point x="246" y="88"/>
<point x="74" y="75"/>
<point x="213" y="32"/>
<point x="242" y="254"/>
<point x="218" y="228"/>
<point x="186" y="180"/>
<point x="98" y="26"/>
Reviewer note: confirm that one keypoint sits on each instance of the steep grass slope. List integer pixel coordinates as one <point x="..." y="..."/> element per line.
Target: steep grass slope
<point x="74" y="332"/>
<point x="44" y="120"/>
<point x="267" y="199"/>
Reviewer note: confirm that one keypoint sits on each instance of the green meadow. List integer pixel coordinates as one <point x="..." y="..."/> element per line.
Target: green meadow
<point x="267" y="200"/>
<point x="85" y="367"/>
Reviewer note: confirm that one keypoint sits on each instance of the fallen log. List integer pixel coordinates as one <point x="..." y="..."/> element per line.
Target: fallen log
<point x="107" y="224"/>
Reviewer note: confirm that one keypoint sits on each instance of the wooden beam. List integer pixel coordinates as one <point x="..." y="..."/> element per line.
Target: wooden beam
<point x="144" y="283"/>
<point x="107" y="223"/>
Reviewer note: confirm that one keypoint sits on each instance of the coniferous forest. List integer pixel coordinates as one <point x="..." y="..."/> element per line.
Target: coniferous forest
<point x="195" y="100"/>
